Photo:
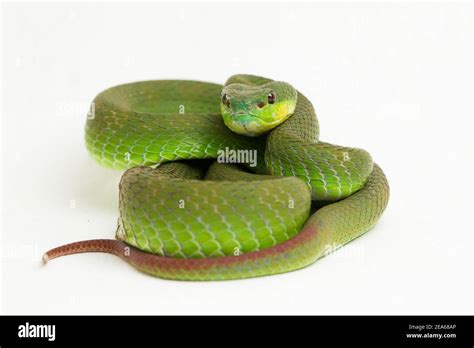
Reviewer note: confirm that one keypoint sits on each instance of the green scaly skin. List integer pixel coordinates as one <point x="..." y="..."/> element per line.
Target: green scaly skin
<point x="190" y="220"/>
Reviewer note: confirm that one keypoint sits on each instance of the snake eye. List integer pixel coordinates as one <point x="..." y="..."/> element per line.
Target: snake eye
<point x="271" y="98"/>
<point x="225" y="100"/>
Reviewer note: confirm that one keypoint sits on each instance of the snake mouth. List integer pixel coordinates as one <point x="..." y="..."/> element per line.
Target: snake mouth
<point x="241" y="113"/>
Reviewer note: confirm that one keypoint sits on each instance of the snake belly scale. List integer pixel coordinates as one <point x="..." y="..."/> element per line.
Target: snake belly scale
<point x="186" y="216"/>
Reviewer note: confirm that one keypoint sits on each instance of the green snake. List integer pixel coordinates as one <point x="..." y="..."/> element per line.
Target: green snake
<point x="226" y="182"/>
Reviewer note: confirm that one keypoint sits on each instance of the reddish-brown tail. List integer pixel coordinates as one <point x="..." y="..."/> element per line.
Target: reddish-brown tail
<point x="110" y="246"/>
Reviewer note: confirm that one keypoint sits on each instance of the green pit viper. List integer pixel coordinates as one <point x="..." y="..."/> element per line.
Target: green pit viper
<point x="185" y="215"/>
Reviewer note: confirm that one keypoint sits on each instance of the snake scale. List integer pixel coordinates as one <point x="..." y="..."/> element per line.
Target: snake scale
<point x="185" y="215"/>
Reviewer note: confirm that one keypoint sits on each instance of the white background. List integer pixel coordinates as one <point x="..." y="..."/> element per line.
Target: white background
<point x="394" y="79"/>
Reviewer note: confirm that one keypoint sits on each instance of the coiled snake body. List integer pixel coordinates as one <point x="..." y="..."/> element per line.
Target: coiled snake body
<point x="186" y="216"/>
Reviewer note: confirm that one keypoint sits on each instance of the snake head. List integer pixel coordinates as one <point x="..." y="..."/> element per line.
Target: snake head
<point x="254" y="110"/>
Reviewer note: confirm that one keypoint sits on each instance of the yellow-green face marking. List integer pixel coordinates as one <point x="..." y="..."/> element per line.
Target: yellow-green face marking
<point x="254" y="110"/>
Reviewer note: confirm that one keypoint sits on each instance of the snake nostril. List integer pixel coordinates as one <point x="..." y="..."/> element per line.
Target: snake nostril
<point x="261" y="104"/>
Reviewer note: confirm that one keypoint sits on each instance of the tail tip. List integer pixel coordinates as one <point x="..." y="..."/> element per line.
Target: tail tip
<point x="45" y="258"/>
